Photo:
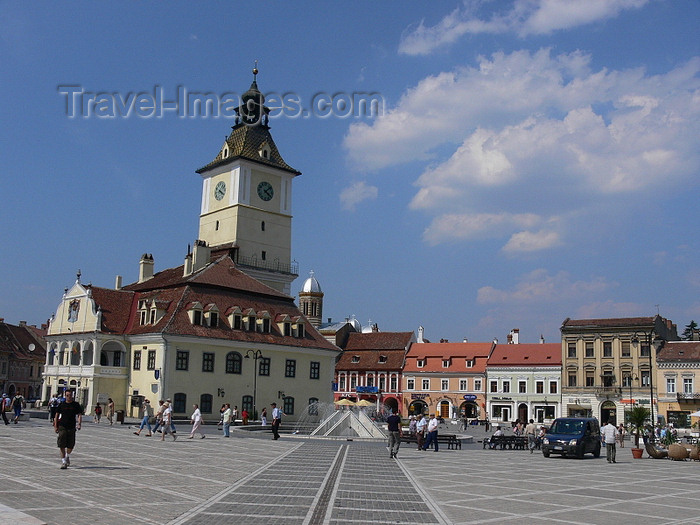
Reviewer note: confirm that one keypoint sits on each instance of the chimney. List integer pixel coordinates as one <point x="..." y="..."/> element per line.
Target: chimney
<point x="541" y="339"/>
<point x="23" y="323"/>
<point x="118" y="282"/>
<point x="200" y="255"/>
<point x="188" y="265"/>
<point x="145" y="267"/>
<point x="514" y="336"/>
<point x="421" y="332"/>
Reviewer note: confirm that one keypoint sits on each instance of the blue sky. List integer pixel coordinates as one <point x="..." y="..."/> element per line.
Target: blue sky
<point x="536" y="160"/>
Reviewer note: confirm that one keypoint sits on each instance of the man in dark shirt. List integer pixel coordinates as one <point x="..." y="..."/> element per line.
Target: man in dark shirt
<point x="394" y="427"/>
<point x="64" y="423"/>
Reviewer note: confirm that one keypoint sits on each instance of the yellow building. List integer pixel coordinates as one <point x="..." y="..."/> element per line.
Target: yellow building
<point x="679" y="382"/>
<point x="610" y="364"/>
<point x="220" y="328"/>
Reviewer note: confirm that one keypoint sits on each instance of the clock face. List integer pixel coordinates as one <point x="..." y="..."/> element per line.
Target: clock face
<point x="220" y="190"/>
<point x="265" y="191"/>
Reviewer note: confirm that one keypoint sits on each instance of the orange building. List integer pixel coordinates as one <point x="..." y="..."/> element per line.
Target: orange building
<point x="446" y="378"/>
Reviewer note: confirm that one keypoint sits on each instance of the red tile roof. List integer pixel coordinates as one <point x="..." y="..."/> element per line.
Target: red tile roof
<point x="546" y="354"/>
<point x="374" y="351"/>
<point x="434" y="353"/>
<point x="608" y="323"/>
<point x="379" y="341"/>
<point x="679" y="351"/>
<point x="220" y="283"/>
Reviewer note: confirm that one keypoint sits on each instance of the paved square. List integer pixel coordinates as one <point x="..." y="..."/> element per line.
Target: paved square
<point x="118" y="478"/>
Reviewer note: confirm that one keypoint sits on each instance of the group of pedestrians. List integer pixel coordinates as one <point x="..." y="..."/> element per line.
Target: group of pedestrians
<point x="12" y="405"/>
<point x="424" y="430"/>
<point x="162" y="418"/>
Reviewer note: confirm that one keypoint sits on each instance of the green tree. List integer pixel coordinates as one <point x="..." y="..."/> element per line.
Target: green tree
<point x="636" y="417"/>
<point x="689" y="330"/>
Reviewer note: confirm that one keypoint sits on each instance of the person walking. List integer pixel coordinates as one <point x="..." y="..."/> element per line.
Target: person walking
<point x="146" y="420"/>
<point x="395" y="432"/>
<point x="610" y="435"/>
<point x="420" y="430"/>
<point x="167" y="421"/>
<point x="531" y="433"/>
<point x="159" y="416"/>
<point x="263" y="416"/>
<point x="110" y="411"/>
<point x="226" y="417"/>
<point x="53" y="405"/>
<point x="276" y="420"/>
<point x="98" y="413"/>
<point x="196" y="419"/>
<point x="17" y="404"/>
<point x="244" y="417"/>
<point x="4" y="407"/>
<point x="432" y="433"/>
<point x="412" y="425"/>
<point x="621" y="435"/>
<point x="235" y="415"/>
<point x="68" y="418"/>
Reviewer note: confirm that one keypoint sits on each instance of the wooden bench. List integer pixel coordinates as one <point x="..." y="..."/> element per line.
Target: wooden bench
<point x="506" y="442"/>
<point x="450" y="440"/>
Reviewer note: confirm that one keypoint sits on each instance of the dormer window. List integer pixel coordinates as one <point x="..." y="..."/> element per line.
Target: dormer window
<point x="445" y="363"/>
<point x="152" y="319"/>
<point x="284" y="324"/>
<point x="235" y="317"/>
<point x="382" y="359"/>
<point x="142" y="317"/>
<point x="355" y="359"/>
<point x="194" y="311"/>
<point x="420" y="363"/>
<point x="264" y="151"/>
<point x="262" y="323"/>
<point x="225" y="151"/>
<point x="211" y="314"/>
<point x="299" y="328"/>
<point x="249" y="320"/>
<point x="470" y="363"/>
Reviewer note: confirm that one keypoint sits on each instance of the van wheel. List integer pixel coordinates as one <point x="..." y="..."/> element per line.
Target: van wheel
<point x="596" y="452"/>
<point x="545" y="453"/>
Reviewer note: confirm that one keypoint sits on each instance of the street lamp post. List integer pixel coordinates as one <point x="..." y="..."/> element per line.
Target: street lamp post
<point x="653" y="345"/>
<point x="257" y="354"/>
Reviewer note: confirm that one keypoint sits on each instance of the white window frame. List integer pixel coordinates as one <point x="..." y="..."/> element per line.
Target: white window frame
<point x="444" y="385"/>
<point x="425" y="383"/>
<point x="670" y="385"/>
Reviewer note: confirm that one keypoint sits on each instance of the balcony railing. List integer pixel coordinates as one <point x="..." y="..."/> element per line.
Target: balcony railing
<point x="683" y="397"/>
<point x="270" y="266"/>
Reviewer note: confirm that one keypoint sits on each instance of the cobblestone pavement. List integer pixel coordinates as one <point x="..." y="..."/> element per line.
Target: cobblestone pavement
<point x="118" y="478"/>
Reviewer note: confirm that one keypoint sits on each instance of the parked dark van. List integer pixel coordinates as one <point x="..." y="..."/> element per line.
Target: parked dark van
<point x="572" y="436"/>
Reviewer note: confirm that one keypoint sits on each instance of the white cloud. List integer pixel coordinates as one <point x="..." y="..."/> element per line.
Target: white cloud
<point x="525" y="17"/>
<point x="611" y="309"/>
<point x="472" y="226"/>
<point x="539" y="286"/>
<point x="531" y="241"/>
<point x="536" y="134"/>
<point x="353" y="195"/>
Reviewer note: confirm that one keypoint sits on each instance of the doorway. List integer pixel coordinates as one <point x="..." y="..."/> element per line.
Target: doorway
<point x="608" y="413"/>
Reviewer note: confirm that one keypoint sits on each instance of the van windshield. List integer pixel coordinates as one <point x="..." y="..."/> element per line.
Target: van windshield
<point x="564" y="426"/>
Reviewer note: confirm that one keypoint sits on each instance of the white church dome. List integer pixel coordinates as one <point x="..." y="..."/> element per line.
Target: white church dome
<point x="311" y="284"/>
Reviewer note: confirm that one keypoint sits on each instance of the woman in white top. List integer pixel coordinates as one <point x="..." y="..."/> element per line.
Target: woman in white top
<point x="196" y="418"/>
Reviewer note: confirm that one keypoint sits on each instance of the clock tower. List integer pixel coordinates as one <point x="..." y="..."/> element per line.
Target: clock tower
<point x="247" y="197"/>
